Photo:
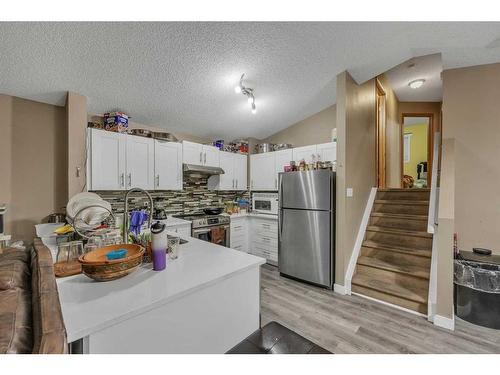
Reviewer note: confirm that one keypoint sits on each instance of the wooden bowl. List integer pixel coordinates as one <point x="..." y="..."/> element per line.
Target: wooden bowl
<point x="96" y="266"/>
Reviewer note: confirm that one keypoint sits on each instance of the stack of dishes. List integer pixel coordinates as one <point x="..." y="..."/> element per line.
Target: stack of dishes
<point x="90" y="208"/>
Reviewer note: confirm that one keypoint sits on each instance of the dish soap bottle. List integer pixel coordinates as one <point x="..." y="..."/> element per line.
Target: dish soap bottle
<point x="159" y="244"/>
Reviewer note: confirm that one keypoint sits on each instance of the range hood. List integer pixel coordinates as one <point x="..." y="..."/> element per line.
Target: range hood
<point x="202" y="170"/>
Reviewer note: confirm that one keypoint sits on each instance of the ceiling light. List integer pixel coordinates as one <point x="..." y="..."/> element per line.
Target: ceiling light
<point x="416" y="83"/>
<point x="248" y="92"/>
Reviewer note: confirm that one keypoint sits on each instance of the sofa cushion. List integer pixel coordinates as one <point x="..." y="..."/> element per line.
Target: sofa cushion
<point x="16" y="334"/>
<point x="49" y="333"/>
<point x="15" y="270"/>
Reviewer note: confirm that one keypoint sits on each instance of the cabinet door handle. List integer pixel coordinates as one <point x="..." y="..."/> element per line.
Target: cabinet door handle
<point x="205" y="158"/>
<point x="201" y="153"/>
<point x="157" y="180"/>
<point x="122" y="180"/>
<point x="251" y="183"/>
<point x="236" y="184"/>
<point x="276" y="183"/>
<point x="129" y="179"/>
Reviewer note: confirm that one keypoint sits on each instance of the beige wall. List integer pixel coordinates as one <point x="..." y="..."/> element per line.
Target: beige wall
<point x="315" y="129"/>
<point x="35" y="164"/>
<point x="355" y="162"/>
<point x="433" y="108"/>
<point x="471" y="117"/>
<point x="76" y="118"/>
<point x="392" y="135"/>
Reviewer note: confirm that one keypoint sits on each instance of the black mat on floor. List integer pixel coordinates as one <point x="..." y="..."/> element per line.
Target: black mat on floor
<point x="274" y="338"/>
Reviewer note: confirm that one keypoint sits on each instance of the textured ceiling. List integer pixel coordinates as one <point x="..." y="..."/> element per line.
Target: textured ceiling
<point x="426" y="67"/>
<point x="181" y="75"/>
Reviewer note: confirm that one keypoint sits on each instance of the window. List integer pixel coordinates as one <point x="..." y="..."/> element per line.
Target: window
<point x="407" y="143"/>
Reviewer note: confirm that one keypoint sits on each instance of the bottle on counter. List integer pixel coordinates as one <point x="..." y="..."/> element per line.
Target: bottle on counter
<point x="159" y="245"/>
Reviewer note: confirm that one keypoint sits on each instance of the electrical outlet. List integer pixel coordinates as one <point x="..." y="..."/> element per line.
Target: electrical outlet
<point x="349" y="192"/>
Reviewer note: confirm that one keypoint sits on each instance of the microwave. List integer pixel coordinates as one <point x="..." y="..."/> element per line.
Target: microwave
<point x="265" y="203"/>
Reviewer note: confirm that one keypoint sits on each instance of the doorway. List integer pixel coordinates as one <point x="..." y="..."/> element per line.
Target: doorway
<point x="380" y="134"/>
<point x="416" y="145"/>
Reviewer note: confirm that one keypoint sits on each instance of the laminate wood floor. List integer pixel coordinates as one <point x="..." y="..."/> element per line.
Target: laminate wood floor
<point x="352" y="324"/>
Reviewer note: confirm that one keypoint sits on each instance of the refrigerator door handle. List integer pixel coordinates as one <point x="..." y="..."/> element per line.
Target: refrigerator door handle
<point x="280" y="224"/>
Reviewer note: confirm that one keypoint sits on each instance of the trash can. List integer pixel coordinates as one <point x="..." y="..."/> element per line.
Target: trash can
<point x="477" y="289"/>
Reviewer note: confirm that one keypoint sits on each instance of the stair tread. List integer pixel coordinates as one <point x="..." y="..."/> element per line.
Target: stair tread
<point x="402" y="202"/>
<point x="409" y="269"/>
<point x="403" y="232"/>
<point x="398" y="290"/>
<point x="400" y="216"/>
<point x="400" y="249"/>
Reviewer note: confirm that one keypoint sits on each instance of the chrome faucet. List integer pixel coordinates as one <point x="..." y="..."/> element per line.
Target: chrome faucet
<point x="125" y="212"/>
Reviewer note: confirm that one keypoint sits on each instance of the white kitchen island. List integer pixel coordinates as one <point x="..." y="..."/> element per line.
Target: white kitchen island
<point x="206" y="301"/>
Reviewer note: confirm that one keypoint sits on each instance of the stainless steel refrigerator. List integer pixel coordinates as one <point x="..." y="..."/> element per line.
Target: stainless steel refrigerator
<point x="306" y="232"/>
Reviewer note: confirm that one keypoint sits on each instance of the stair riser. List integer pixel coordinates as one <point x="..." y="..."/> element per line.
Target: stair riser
<point x="407" y="224"/>
<point x="407" y="304"/>
<point x="401" y="209"/>
<point x="399" y="240"/>
<point x="402" y="195"/>
<point x="416" y="283"/>
<point x="396" y="258"/>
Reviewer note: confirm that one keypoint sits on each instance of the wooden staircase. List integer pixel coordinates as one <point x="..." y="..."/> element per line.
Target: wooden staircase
<point x="395" y="257"/>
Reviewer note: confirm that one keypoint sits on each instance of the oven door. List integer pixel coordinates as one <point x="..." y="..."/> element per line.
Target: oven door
<point x="205" y="234"/>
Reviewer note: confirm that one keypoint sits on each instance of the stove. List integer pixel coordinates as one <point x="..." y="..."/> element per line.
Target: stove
<point x="210" y="228"/>
<point x="203" y="220"/>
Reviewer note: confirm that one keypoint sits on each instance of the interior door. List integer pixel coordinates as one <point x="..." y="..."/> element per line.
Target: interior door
<point x="282" y="158"/>
<point x="168" y="165"/>
<point x="262" y="171"/>
<point x="107" y="160"/>
<point x="192" y="153"/>
<point x="140" y="163"/>
<point x="240" y="171"/>
<point x="304" y="245"/>
<point x="226" y="180"/>
<point x="210" y="156"/>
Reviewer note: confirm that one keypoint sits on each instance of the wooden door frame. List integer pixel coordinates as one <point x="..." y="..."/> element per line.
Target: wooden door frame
<point x="380" y="138"/>
<point x="430" y="142"/>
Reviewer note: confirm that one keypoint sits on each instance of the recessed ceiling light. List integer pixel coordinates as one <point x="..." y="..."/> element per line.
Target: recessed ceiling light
<point x="416" y="83"/>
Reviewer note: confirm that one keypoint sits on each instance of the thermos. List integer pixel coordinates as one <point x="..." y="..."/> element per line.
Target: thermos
<point x="159" y="244"/>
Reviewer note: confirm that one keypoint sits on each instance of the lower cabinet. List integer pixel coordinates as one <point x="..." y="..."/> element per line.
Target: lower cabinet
<point x="256" y="236"/>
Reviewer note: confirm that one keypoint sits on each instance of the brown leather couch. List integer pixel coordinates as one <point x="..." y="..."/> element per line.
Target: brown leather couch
<point x="30" y="313"/>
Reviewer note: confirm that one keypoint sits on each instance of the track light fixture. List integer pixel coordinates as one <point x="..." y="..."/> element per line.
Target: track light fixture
<point x="248" y="92"/>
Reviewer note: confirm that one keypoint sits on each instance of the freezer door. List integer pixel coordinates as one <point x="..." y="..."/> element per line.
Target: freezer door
<point x="304" y="246"/>
<point x="310" y="190"/>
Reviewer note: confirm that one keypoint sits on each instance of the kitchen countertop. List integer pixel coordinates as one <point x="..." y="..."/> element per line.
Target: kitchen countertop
<point x="89" y="306"/>
<point x="252" y="214"/>
<point x="174" y="221"/>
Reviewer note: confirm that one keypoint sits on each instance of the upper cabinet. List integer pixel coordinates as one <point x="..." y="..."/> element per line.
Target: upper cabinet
<point x="140" y="163"/>
<point x="263" y="171"/>
<point x="306" y="152"/>
<point x="168" y="165"/>
<point x="282" y="158"/>
<point x="235" y="172"/>
<point x="106" y="167"/>
<point x="198" y="154"/>
<point x="119" y="161"/>
<point x="327" y="151"/>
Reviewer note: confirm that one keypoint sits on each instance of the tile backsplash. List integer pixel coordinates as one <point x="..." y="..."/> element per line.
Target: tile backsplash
<point x="191" y="200"/>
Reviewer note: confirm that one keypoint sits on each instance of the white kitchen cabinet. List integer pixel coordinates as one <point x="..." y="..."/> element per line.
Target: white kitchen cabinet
<point x="263" y="171"/>
<point x="210" y="156"/>
<point x="264" y="238"/>
<point x="238" y="238"/>
<point x="282" y="158"/>
<point x="240" y="171"/>
<point x="168" y="165"/>
<point x="140" y="163"/>
<point x="327" y="151"/>
<point x="306" y="152"/>
<point x="198" y="154"/>
<point x="107" y="166"/>
<point x="235" y="172"/>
